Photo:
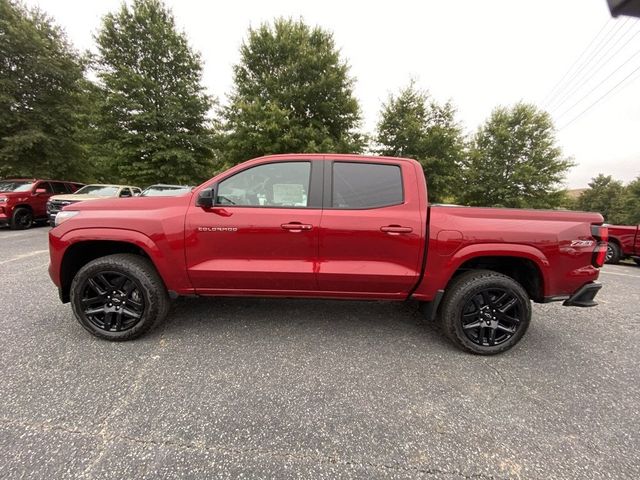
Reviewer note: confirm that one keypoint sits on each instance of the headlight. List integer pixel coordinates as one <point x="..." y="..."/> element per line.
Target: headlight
<point x="3" y="199"/>
<point x="63" y="216"/>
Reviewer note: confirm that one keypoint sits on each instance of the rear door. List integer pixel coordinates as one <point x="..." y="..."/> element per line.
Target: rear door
<point x="371" y="229"/>
<point x="261" y="236"/>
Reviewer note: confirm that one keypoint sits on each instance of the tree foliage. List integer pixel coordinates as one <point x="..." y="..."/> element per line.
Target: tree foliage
<point x="41" y="86"/>
<point x="603" y="195"/>
<point x="514" y="162"/>
<point x="627" y="211"/>
<point x="153" y="116"/>
<point x="415" y="126"/>
<point x="292" y="93"/>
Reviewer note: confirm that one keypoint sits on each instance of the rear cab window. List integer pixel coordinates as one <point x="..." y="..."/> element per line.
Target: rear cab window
<point x="359" y="185"/>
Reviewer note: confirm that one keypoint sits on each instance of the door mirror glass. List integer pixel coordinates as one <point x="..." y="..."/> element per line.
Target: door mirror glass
<point x="40" y="191"/>
<point x="205" y="198"/>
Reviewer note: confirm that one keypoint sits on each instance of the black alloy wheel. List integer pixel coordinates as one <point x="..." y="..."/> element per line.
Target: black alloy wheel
<point x="22" y="219"/>
<point x="119" y="297"/>
<point x="492" y="316"/>
<point x="112" y="301"/>
<point x="485" y="312"/>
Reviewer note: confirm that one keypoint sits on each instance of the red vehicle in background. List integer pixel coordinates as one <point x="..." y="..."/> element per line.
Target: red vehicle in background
<point x="24" y="201"/>
<point x="624" y="242"/>
<point x="324" y="226"/>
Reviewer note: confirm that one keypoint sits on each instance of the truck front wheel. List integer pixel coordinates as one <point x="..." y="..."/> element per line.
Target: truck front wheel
<point x="119" y="297"/>
<point x="485" y="312"/>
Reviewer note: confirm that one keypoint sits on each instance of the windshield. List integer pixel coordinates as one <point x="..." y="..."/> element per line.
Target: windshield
<point x="164" y="191"/>
<point x="98" y="190"/>
<point x="15" y="186"/>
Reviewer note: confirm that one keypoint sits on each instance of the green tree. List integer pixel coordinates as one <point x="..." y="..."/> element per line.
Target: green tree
<point x="513" y="161"/>
<point x="41" y="84"/>
<point x="603" y="196"/>
<point x="292" y="93"/>
<point x="627" y="210"/>
<point x="153" y="121"/>
<point x="415" y="126"/>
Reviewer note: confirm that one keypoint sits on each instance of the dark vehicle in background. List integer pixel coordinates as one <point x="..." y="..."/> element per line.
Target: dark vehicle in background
<point x="86" y="193"/>
<point x="23" y="200"/>
<point x="164" y="190"/>
<point x="624" y="242"/>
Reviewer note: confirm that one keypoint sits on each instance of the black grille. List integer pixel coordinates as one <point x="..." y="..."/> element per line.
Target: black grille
<point x="54" y="206"/>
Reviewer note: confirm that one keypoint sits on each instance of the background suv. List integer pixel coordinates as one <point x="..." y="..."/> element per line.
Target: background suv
<point x="89" y="192"/>
<point x="23" y="200"/>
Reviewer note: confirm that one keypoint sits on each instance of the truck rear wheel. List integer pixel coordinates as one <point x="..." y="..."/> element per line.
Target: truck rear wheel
<point x="613" y="253"/>
<point x="485" y="312"/>
<point x="119" y="297"/>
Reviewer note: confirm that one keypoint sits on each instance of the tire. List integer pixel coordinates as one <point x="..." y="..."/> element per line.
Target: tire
<point x="140" y="302"/>
<point x="22" y="219"/>
<point x="485" y="312"/>
<point x="637" y="260"/>
<point x="613" y="253"/>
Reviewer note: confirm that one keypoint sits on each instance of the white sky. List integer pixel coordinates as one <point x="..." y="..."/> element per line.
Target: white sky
<point x="477" y="53"/>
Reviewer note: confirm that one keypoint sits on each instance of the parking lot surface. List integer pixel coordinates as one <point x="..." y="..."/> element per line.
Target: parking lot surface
<point x="252" y="388"/>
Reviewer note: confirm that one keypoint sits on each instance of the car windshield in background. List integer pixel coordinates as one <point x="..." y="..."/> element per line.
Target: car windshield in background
<point x="98" y="190"/>
<point x="164" y="191"/>
<point x="15" y="186"/>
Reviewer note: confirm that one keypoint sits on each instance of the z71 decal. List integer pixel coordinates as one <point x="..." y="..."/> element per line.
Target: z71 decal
<point x="582" y="243"/>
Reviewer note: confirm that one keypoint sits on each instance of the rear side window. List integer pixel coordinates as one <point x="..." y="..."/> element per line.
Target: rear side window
<point x="366" y="185"/>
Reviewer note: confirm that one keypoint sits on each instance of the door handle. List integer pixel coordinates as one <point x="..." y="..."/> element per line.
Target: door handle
<point x="296" y="226"/>
<point x="395" y="229"/>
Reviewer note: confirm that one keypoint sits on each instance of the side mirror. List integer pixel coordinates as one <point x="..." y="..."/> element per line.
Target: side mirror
<point x="206" y="198"/>
<point x="40" y="191"/>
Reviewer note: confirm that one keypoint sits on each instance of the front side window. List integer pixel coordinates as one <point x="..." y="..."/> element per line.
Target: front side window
<point x="59" y="187"/>
<point x="366" y="185"/>
<point x="44" y="186"/>
<point x="284" y="184"/>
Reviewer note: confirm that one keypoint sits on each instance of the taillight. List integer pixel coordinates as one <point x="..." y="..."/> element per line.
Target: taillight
<point x="601" y="234"/>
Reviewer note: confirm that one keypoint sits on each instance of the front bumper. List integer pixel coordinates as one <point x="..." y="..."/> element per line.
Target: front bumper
<point x="584" y="296"/>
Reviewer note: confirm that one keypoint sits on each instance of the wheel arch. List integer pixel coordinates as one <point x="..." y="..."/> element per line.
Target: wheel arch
<point x="525" y="264"/>
<point x="523" y="270"/>
<point x="82" y="252"/>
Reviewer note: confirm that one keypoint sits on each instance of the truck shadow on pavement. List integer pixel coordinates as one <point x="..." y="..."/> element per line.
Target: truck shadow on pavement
<point x="375" y="320"/>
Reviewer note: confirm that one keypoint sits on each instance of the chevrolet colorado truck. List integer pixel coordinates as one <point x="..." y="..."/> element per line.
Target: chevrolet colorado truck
<point x="324" y="226"/>
<point x="624" y="242"/>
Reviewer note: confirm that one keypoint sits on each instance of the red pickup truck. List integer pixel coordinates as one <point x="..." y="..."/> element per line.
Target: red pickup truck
<point x="326" y="226"/>
<point x="624" y="242"/>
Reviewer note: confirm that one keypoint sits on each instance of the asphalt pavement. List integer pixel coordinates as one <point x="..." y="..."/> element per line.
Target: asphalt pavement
<point x="253" y="388"/>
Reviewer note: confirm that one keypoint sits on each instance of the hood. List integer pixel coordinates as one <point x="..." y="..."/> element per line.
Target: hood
<point x="128" y="203"/>
<point x="15" y="194"/>
<point x="77" y="197"/>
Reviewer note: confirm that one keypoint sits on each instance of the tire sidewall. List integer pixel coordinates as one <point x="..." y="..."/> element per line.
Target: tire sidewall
<point x="454" y="305"/>
<point x="151" y="311"/>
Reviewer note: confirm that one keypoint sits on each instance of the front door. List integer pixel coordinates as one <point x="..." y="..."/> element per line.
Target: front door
<point x="261" y="236"/>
